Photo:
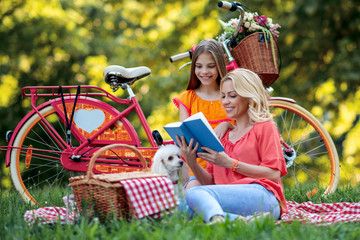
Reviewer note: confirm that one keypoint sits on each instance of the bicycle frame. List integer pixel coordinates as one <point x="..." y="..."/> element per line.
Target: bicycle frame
<point x="70" y="154"/>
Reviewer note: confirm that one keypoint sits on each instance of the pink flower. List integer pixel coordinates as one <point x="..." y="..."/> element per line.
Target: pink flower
<point x="275" y="26"/>
<point x="273" y="29"/>
<point x="262" y="21"/>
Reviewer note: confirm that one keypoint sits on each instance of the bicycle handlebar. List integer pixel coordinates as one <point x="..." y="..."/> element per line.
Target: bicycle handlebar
<point x="181" y="56"/>
<point x="233" y="6"/>
<point x="229" y="6"/>
<point x="184" y="55"/>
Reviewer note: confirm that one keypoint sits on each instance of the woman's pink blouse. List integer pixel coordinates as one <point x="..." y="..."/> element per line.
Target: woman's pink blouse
<point x="260" y="146"/>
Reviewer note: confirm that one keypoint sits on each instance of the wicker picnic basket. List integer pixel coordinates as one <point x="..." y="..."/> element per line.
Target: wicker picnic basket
<point x="103" y="195"/>
<point x="254" y="54"/>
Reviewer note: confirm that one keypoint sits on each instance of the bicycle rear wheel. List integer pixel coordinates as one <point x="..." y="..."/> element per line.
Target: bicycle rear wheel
<point x="314" y="163"/>
<point x="36" y="166"/>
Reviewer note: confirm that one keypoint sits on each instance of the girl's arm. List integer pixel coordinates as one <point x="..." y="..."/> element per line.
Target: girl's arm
<point x="183" y="113"/>
<point x="221" y="129"/>
<point x="189" y="153"/>
<point x="254" y="171"/>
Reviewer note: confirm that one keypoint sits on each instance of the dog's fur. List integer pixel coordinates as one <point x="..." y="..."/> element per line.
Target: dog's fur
<point x="167" y="160"/>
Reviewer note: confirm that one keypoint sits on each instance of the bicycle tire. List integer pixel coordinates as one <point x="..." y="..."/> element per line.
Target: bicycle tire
<point x="35" y="181"/>
<point x="315" y="164"/>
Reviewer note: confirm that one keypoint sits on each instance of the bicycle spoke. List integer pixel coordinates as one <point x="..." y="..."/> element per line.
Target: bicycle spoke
<point x="315" y="160"/>
<point x="54" y="146"/>
<point x="314" y="175"/>
<point x="42" y="165"/>
<point x="41" y="154"/>
<point x="46" y="181"/>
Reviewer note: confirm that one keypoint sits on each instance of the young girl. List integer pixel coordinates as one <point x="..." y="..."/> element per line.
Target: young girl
<point x="203" y="91"/>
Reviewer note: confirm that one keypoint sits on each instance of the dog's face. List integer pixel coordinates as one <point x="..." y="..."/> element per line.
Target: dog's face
<point x="173" y="162"/>
<point x="170" y="156"/>
<point x="167" y="159"/>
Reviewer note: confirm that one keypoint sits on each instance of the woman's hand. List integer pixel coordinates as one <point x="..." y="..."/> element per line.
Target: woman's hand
<point x="218" y="158"/>
<point x="221" y="129"/>
<point x="187" y="151"/>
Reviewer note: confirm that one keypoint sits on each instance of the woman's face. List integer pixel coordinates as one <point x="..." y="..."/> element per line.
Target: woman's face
<point x="206" y="69"/>
<point x="235" y="105"/>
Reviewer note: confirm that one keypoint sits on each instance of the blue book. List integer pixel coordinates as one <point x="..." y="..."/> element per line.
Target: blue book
<point x="198" y="128"/>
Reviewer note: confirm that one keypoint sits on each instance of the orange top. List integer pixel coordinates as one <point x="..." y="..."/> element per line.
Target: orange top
<point x="260" y="146"/>
<point x="212" y="110"/>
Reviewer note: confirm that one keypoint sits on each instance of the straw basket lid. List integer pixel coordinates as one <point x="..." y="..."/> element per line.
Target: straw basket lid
<point x="90" y="177"/>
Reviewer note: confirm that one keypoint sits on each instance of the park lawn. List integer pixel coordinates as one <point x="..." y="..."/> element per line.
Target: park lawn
<point x="13" y="226"/>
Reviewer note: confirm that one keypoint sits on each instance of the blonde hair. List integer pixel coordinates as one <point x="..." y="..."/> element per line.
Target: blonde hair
<point x="248" y="84"/>
<point x="216" y="50"/>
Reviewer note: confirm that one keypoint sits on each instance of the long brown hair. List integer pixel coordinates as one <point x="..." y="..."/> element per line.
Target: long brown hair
<point x="216" y="50"/>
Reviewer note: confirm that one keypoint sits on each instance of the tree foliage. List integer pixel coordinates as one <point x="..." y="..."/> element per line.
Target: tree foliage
<point x="70" y="42"/>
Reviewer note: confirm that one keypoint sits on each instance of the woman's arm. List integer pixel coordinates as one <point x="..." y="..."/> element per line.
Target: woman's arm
<point x="189" y="153"/>
<point x="254" y="171"/>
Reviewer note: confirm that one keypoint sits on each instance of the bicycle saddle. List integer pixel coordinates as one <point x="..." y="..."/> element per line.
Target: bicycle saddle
<point x="115" y="74"/>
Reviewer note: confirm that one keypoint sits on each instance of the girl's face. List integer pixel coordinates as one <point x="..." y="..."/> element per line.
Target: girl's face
<point x="235" y="105"/>
<point x="206" y="69"/>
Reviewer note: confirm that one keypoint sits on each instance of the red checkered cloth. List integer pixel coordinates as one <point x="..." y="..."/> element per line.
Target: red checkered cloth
<point x="152" y="197"/>
<point x="49" y="215"/>
<point x="321" y="214"/>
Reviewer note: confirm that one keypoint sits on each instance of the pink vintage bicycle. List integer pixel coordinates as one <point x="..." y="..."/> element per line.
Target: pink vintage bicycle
<point x="57" y="138"/>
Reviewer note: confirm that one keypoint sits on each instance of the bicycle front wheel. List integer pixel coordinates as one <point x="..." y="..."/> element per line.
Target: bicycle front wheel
<point x="314" y="162"/>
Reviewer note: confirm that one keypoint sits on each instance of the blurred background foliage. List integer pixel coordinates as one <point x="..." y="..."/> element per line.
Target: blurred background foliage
<point x="70" y="42"/>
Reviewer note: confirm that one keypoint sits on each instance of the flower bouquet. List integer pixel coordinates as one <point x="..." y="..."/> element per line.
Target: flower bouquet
<point x="250" y="24"/>
<point x="252" y="40"/>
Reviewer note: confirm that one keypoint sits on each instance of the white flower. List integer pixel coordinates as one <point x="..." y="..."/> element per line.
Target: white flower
<point x="234" y="22"/>
<point x="247" y="24"/>
<point x="255" y="26"/>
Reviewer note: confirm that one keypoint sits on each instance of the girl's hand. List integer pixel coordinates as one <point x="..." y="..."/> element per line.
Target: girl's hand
<point x="187" y="151"/>
<point x="221" y="129"/>
<point x="218" y="158"/>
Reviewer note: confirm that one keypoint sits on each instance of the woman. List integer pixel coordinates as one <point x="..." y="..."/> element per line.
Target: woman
<point x="244" y="180"/>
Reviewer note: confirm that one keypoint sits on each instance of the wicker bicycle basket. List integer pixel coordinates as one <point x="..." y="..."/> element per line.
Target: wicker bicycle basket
<point x="103" y="195"/>
<point x="255" y="54"/>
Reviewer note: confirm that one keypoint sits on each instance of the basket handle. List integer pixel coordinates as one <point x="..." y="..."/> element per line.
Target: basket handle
<point x="90" y="173"/>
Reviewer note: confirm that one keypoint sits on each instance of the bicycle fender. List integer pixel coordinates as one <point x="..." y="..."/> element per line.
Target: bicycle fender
<point x="282" y="99"/>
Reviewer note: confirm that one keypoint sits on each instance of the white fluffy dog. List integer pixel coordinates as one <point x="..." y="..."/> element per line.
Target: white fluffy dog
<point x="167" y="160"/>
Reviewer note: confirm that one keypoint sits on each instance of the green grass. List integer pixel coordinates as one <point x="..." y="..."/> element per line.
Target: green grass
<point x="13" y="226"/>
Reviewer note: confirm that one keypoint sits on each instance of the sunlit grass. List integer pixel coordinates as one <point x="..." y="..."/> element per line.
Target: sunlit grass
<point x="172" y="227"/>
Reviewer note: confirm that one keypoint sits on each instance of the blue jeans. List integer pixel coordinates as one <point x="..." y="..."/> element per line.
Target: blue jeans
<point x="230" y="201"/>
